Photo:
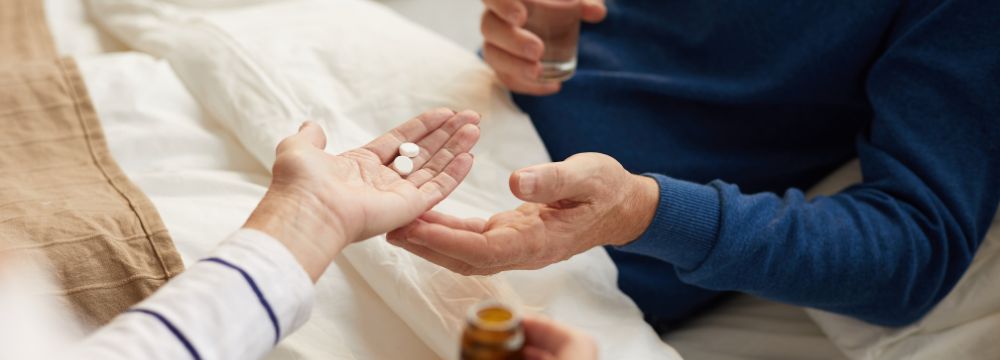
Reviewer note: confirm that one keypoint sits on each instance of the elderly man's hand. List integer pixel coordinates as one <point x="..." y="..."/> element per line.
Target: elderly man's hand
<point x="318" y="203"/>
<point x="515" y="53"/>
<point x="586" y="201"/>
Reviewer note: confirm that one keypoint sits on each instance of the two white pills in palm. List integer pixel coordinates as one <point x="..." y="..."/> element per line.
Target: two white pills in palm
<point x="404" y="162"/>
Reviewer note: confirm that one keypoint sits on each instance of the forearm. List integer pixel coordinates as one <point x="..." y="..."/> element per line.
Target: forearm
<point x="235" y="304"/>
<point x="863" y="252"/>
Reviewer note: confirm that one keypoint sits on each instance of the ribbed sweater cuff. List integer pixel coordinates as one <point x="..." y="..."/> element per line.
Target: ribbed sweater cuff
<point x="685" y="227"/>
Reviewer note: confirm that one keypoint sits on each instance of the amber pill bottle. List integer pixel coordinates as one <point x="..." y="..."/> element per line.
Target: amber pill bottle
<point x="493" y="331"/>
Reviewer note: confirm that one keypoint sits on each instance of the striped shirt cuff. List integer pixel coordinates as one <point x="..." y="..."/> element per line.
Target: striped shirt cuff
<point x="235" y="304"/>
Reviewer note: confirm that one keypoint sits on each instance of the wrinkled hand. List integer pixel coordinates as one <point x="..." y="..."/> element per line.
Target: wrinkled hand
<point x="318" y="203"/>
<point x="586" y="201"/>
<point x="548" y="340"/>
<point x="514" y="52"/>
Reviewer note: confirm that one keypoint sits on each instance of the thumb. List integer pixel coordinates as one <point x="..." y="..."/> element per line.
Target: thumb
<point x="594" y="11"/>
<point x="548" y="183"/>
<point x="311" y="132"/>
<point x="310" y="135"/>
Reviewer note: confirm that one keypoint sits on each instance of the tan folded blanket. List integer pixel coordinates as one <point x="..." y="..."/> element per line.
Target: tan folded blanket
<point x="61" y="193"/>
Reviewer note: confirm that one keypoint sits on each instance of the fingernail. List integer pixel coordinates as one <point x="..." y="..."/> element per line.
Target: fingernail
<point x="526" y="182"/>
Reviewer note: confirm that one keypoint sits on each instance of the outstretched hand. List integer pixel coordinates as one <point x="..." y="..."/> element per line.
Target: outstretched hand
<point x="586" y="201"/>
<point x="318" y="203"/>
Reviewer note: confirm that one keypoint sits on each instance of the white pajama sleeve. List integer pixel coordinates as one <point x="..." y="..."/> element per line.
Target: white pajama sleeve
<point x="235" y="304"/>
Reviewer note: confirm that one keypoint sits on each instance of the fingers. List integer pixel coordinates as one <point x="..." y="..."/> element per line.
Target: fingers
<point x="518" y="74"/>
<point x="399" y="238"/>
<point x="404" y="238"/>
<point x="471" y="224"/>
<point x="593" y="11"/>
<point x="447" y="180"/>
<point x="511" y="11"/>
<point x="515" y="13"/>
<point x="385" y="147"/>
<point x="431" y="144"/>
<point x="514" y="52"/>
<point x="558" y="340"/>
<point x="576" y="178"/>
<point x="500" y="248"/>
<point x="472" y="247"/>
<point x="459" y="143"/>
<point x="468" y="246"/>
<point x="513" y="39"/>
<point x="521" y="85"/>
<point x="515" y="67"/>
<point x="435" y="257"/>
<point x="310" y="134"/>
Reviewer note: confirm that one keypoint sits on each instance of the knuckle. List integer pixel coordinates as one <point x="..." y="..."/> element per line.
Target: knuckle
<point x="603" y="160"/>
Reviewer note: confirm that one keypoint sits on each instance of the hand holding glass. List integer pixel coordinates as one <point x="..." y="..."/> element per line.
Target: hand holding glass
<point x="532" y="44"/>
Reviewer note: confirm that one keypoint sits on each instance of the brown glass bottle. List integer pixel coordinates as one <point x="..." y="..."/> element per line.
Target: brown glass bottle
<point x="493" y="331"/>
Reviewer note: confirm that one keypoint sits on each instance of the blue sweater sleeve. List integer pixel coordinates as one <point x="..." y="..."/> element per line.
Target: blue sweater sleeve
<point x="886" y="250"/>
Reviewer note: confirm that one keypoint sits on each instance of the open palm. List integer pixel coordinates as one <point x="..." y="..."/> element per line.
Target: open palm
<point x="573" y="205"/>
<point x="529" y="237"/>
<point x="360" y="193"/>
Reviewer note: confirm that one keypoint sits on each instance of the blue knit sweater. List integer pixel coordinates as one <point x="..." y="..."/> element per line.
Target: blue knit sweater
<point x="734" y="106"/>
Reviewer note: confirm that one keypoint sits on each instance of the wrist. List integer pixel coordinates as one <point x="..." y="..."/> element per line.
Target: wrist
<point x="641" y="201"/>
<point x="301" y="224"/>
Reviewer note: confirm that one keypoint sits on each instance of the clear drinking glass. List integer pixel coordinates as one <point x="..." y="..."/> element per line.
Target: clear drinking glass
<point x="557" y="22"/>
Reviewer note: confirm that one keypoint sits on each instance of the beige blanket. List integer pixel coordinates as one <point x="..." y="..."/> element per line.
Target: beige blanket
<point x="61" y="193"/>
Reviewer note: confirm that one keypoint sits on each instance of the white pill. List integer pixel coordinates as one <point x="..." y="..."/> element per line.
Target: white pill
<point x="409" y="149"/>
<point x="403" y="165"/>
